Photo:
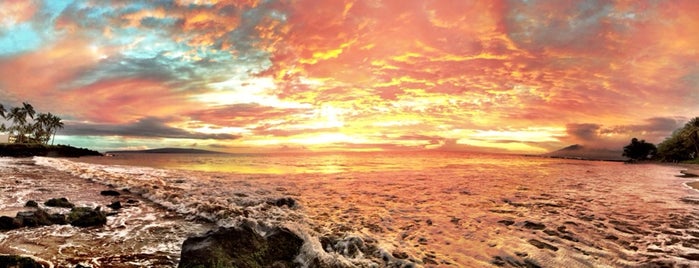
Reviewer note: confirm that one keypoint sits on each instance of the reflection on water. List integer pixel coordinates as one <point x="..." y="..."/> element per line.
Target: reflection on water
<point x="295" y="163"/>
<point x="457" y="209"/>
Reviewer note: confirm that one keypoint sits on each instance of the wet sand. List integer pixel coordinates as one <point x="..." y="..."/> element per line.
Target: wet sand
<point x="694" y="185"/>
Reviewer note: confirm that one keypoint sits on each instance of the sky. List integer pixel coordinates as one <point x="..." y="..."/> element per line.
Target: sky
<point x="514" y="76"/>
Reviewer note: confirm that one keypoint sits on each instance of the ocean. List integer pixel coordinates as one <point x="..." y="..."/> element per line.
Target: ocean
<point x="423" y="209"/>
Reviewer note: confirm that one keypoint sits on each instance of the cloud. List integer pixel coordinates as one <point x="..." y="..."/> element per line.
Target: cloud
<point x="653" y="130"/>
<point x="146" y="127"/>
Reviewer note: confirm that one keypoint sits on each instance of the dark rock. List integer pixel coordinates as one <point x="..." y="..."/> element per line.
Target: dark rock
<point x="534" y="225"/>
<point x="18" y="262"/>
<point x="59" y="202"/>
<point x="32" y="204"/>
<point x="429" y="222"/>
<point x="110" y="193"/>
<point x="115" y="205"/>
<point x="33" y="218"/>
<point x="58" y="218"/>
<point x="131" y="201"/>
<point x="242" y="246"/>
<point x="542" y="245"/>
<point x="86" y="217"/>
<point x="506" y="222"/>
<point x="8" y="223"/>
<point x="284" y="201"/>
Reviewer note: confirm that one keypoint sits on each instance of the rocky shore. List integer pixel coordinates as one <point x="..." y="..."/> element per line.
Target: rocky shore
<point x="29" y="150"/>
<point x="52" y="219"/>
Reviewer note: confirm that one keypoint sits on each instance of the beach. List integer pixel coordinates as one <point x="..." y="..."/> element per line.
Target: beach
<point x="141" y="234"/>
<point x="456" y="210"/>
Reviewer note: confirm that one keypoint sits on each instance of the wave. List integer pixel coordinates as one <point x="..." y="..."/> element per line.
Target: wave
<point x="229" y="200"/>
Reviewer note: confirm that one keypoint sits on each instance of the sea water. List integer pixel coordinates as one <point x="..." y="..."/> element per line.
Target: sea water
<point x="429" y="209"/>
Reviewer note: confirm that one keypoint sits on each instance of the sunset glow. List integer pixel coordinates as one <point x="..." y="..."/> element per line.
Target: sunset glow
<point x="348" y="75"/>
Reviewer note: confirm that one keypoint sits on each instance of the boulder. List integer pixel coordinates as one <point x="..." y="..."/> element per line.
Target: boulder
<point x="59" y="202"/>
<point x="32" y="204"/>
<point x="86" y="217"/>
<point x="19" y="262"/>
<point x="8" y="223"/>
<point x="242" y="246"/>
<point x="34" y="218"/>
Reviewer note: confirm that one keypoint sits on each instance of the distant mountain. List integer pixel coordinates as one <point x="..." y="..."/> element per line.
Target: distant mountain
<point x="168" y="151"/>
<point x="577" y="151"/>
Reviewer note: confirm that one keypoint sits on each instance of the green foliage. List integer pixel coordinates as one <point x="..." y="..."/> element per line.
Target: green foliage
<point x="39" y="130"/>
<point x="682" y="145"/>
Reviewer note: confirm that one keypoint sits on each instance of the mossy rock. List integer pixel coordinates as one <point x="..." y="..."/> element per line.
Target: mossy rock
<point x="59" y="202"/>
<point x="86" y="217"/>
<point x="241" y="246"/>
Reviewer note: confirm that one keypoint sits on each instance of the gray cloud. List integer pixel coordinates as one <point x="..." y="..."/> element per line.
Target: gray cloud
<point x="146" y="127"/>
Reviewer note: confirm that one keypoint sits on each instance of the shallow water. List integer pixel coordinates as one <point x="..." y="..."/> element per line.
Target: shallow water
<point x="446" y="210"/>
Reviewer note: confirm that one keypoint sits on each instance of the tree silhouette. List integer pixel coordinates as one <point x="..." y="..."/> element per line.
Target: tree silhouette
<point x="639" y="150"/>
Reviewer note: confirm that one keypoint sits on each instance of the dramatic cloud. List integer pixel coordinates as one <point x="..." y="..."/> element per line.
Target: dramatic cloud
<point x="503" y="75"/>
<point x="147" y="127"/>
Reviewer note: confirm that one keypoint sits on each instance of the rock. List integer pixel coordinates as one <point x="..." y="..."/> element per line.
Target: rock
<point x="534" y="225"/>
<point x="110" y="193"/>
<point x="115" y="205"/>
<point x="58" y="218"/>
<point x="242" y="246"/>
<point x="33" y="218"/>
<point x="32" y="204"/>
<point x="19" y="262"/>
<point x="86" y="217"/>
<point x="351" y="246"/>
<point x="429" y="222"/>
<point x="8" y="223"/>
<point x="542" y="245"/>
<point x="59" y="202"/>
<point x="284" y="201"/>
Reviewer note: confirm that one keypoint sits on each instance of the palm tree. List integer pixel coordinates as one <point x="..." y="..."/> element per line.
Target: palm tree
<point x="55" y="124"/>
<point x="42" y="128"/>
<point x="2" y="111"/>
<point x="18" y="116"/>
<point x="29" y="109"/>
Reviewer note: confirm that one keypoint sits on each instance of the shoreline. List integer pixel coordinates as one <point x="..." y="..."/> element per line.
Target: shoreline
<point x="139" y="231"/>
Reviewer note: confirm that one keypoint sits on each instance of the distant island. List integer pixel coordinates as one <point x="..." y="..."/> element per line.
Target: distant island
<point x="168" y="151"/>
<point x="577" y="151"/>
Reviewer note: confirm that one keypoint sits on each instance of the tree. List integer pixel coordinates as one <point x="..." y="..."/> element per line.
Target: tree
<point x="674" y="148"/>
<point x="639" y="150"/>
<point x="690" y="132"/>
<point x="42" y="128"/>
